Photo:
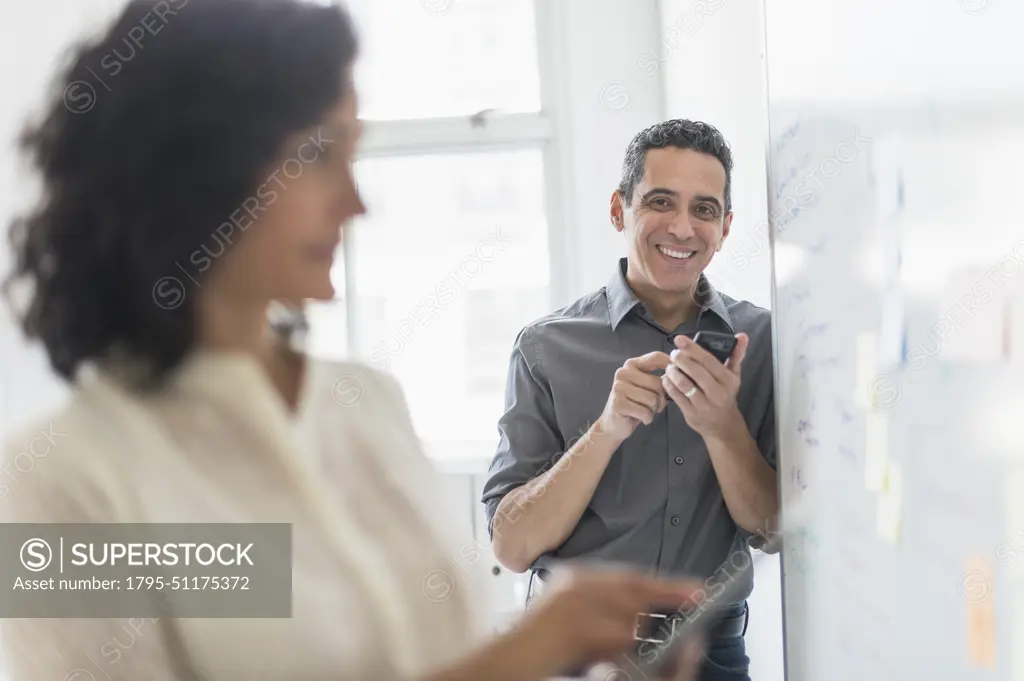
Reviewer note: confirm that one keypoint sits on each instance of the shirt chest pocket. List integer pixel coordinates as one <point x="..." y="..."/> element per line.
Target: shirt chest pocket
<point x="633" y="482"/>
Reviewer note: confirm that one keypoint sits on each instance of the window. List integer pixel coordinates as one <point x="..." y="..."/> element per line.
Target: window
<point x="494" y="317"/>
<point x="453" y="256"/>
<point x="436" y="58"/>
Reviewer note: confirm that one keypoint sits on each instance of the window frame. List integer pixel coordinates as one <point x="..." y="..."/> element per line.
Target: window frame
<point x="488" y="131"/>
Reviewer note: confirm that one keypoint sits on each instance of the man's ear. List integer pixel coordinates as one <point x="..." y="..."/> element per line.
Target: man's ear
<point x="726" y="225"/>
<point x="616" y="211"/>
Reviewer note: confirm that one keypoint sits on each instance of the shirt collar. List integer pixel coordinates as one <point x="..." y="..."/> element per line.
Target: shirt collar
<point x="622" y="300"/>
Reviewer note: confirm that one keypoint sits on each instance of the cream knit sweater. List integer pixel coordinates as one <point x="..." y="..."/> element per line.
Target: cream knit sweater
<point x="220" y="446"/>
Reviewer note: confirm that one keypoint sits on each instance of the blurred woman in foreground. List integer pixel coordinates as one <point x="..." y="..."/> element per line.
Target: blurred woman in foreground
<point x="208" y="177"/>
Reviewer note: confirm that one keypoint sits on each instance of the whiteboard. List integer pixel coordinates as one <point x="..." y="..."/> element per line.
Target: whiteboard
<point x="896" y="195"/>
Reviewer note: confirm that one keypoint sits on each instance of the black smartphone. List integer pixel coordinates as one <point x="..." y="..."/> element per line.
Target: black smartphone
<point x="720" y="345"/>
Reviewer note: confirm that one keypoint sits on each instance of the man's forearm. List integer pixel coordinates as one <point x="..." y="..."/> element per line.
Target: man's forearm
<point x="538" y="516"/>
<point x="749" y="485"/>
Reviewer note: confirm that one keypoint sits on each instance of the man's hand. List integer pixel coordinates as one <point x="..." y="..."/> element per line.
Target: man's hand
<point x="637" y="396"/>
<point x="704" y="388"/>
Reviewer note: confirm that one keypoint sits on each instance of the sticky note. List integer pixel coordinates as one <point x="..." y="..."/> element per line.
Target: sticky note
<point x="890" y="504"/>
<point x="876" y="454"/>
<point x="867" y="370"/>
<point x="976" y="587"/>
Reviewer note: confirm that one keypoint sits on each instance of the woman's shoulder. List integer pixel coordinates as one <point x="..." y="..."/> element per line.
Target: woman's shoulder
<point x="350" y="384"/>
<point x="353" y="398"/>
<point x="50" y="464"/>
<point x="49" y="431"/>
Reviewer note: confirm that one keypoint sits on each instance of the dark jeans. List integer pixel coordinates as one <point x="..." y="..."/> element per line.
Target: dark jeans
<point x="726" y="660"/>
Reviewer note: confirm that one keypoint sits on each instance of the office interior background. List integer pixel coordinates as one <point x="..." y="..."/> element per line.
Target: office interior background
<point x="495" y="131"/>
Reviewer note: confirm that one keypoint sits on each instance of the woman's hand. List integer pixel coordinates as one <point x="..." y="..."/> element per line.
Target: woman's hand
<point x="590" y="616"/>
<point x="585" y="617"/>
<point x="687" y="667"/>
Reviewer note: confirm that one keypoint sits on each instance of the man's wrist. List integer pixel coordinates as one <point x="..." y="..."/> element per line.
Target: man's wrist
<point x="599" y="436"/>
<point x="733" y="431"/>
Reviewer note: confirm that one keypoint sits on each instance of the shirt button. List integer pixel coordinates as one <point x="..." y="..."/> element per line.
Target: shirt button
<point x="679" y="459"/>
<point x="675" y="520"/>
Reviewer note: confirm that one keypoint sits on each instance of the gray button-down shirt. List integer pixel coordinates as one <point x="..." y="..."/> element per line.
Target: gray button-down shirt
<point x="658" y="504"/>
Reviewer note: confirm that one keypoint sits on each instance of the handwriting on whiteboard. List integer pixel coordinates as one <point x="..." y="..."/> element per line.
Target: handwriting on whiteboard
<point x="796" y="476"/>
<point x="844" y="414"/>
<point x="810" y="332"/>
<point x="789" y="211"/>
<point x="810" y="365"/>
<point x="788" y="175"/>
<point x="806" y="432"/>
<point x="794" y="297"/>
<point x="785" y="138"/>
<point x="801" y="544"/>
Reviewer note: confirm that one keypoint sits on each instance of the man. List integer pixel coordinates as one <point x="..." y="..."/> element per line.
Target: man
<point x="669" y="455"/>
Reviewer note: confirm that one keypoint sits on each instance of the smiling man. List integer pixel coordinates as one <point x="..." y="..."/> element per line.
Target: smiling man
<point x="623" y="440"/>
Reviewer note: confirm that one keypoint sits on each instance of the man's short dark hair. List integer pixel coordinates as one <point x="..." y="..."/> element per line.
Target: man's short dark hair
<point x="680" y="133"/>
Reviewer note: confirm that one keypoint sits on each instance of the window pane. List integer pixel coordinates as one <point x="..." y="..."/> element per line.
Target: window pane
<point x="434" y="58"/>
<point x="450" y="263"/>
<point x="328" y="325"/>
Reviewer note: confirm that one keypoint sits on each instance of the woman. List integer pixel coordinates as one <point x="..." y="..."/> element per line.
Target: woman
<point x="205" y="180"/>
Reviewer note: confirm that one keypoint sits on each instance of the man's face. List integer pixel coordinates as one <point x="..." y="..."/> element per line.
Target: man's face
<point x="676" y="219"/>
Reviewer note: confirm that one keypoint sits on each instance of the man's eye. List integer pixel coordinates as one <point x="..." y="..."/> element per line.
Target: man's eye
<point x="660" y="203"/>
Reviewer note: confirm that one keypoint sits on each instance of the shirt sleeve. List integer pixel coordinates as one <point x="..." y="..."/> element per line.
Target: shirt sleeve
<point x="766" y="441"/>
<point x="767" y="445"/>
<point x="530" y="441"/>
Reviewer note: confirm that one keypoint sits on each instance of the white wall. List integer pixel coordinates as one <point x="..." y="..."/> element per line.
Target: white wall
<point x="710" y="60"/>
<point x="599" y="102"/>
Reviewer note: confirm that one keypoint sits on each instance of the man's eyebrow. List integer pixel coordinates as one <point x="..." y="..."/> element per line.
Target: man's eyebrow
<point x="709" y="198"/>
<point x="659" y="190"/>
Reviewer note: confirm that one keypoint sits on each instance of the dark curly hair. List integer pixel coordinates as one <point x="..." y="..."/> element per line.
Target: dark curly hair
<point x="156" y="132"/>
<point x="680" y="133"/>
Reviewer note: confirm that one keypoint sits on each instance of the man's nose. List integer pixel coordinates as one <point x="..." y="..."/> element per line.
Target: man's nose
<point x="681" y="228"/>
